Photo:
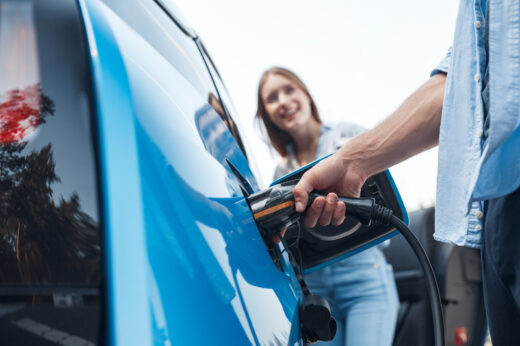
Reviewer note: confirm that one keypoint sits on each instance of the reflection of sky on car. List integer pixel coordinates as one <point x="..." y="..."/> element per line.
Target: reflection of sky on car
<point x="17" y="31"/>
<point x="360" y="60"/>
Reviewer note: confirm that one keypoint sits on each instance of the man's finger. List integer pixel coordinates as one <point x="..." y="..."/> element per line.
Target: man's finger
<point x="339" y="214"/>
<point x="313" y="213"/>
<point x="328" y="209"/>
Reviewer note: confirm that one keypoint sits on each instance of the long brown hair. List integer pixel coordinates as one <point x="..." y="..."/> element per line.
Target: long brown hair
<point x="280" y="139"/>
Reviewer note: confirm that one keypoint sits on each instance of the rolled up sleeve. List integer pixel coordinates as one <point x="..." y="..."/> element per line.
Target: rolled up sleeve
<point x="444" y="65"/>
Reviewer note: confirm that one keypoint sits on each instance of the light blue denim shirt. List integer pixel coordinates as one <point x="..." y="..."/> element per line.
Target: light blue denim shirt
<point x="473" y="168"/>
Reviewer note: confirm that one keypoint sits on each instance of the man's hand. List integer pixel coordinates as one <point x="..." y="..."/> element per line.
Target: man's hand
<point x="411" y="129"/>
<point x="335" y="173"/>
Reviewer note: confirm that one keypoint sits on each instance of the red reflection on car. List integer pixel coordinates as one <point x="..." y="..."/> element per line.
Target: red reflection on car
<point x="19" y="114"/>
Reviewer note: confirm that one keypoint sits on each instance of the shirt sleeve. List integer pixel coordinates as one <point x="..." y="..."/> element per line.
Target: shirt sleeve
<point x="444" y="65"/>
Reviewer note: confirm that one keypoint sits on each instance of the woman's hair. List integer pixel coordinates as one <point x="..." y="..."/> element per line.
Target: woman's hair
<point x="280" y="139"/>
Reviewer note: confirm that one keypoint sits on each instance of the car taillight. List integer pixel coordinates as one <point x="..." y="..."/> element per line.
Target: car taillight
<point x="20" y="93"/>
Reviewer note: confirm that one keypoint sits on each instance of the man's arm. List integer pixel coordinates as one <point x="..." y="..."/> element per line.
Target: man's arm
<point x="411" y="129"/>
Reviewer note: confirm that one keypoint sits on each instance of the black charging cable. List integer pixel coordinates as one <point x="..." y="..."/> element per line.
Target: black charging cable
<point x="366" y="210"/>
<point x="431" y="282"/>
<point x="273" y="209"/>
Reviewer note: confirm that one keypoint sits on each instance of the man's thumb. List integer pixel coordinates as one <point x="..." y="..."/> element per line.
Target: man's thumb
<point x="301" y="192"/>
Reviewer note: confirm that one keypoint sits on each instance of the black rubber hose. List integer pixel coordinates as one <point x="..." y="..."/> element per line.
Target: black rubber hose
<point x="366" y="210"/>
<point x="431" y="282"/>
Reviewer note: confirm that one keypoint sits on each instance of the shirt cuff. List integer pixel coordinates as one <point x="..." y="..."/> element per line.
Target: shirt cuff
<point x="444" y="65"/>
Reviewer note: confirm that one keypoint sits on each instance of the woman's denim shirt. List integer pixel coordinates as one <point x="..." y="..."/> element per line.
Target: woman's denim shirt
<point x="473" y="168"/>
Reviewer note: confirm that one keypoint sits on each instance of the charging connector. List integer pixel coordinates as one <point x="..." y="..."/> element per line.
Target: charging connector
<point x="274" y="209"/>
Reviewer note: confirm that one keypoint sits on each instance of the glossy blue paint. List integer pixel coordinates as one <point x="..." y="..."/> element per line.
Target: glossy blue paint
<point x="206" y="267"/>
<point x="129" y="319"/>
<point x="198" y="221"/>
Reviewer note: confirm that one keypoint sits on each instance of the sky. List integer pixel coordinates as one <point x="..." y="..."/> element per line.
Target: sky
<point x="359" y="59"/>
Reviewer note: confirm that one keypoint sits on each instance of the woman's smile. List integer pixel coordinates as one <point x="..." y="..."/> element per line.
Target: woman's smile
<point x="290" y="115"/>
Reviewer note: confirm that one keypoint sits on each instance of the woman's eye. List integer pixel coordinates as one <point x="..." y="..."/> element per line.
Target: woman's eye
<point x="271" y="98"/>
<point x="289" y="90"/>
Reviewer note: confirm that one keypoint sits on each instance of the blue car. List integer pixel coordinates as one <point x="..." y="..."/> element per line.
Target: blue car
<point x="123" y="176"/>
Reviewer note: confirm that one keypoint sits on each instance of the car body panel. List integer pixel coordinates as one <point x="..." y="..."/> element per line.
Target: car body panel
<point x="163" y="150"/>
<point x="128" y="310"/>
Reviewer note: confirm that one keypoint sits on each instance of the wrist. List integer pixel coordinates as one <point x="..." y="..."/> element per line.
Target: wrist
<point x="355" y="160"/>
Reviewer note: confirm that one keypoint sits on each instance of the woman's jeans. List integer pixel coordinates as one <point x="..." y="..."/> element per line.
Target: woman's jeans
<point x="362" y="294"/>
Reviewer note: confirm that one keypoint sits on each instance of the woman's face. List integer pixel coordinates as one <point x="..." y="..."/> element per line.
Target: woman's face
<point x="287" y="106"/>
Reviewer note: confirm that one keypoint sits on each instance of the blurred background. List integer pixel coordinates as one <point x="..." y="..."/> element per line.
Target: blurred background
<point x="360" y="60"/>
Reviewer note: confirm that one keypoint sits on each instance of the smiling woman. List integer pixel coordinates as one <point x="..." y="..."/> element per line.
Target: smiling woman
<point x="361" y="288"/>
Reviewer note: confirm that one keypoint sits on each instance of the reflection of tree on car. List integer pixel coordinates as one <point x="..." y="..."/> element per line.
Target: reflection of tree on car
<point x="41" y="241"/>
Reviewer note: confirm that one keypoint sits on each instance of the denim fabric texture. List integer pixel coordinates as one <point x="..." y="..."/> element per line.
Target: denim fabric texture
<point x="473" y="168"/>
<point x="360" y="289"/>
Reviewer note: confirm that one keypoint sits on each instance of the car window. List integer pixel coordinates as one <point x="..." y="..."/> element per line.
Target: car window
<point x="50" y="234"/>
